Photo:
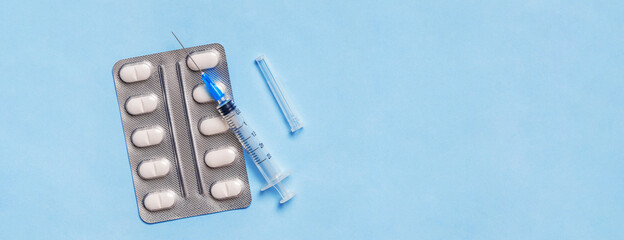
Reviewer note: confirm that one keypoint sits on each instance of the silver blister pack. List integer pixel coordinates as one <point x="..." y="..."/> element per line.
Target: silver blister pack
<point x="184" y="162"/>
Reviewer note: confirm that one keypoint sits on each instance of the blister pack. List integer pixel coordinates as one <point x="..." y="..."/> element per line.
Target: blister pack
<point x="184" y="159"/>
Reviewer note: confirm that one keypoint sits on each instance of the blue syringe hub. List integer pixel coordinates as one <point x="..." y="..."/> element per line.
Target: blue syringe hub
<point x="213" y="90"/>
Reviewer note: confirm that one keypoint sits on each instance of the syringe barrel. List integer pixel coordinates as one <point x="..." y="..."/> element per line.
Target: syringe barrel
<point x="256" y="149"/>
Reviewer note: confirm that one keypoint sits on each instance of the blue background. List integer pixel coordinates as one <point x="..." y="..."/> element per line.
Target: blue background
<point x="445" y="120"/>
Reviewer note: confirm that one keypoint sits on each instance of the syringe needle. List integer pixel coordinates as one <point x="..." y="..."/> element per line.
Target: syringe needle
<point x="187" y="53"/>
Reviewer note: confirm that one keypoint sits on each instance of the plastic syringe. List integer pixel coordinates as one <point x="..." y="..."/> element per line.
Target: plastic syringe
<point x="250" y="141"/>
<point x="247" y="137"/>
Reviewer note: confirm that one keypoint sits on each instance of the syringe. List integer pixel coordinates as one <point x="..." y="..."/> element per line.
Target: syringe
<point x="247" y="137"/>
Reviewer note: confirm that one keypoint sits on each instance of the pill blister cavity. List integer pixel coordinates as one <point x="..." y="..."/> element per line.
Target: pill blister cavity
<point x="154" y="168"/>
<point x="220" y="158"/>
<point x="135" y="72"/>
<point x="141" y="104"/>
<point x="200" y="93"/>
<point x="212" y="126"/>
<point x="145" y="137"/>
<point x="204" y="59"/>
<point x="226" y="189"/>
<point x="158" y="201"/>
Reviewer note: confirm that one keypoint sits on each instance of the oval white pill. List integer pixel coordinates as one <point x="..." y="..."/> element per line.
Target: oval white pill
<point x="200" y="93"/>
<point x="220" y="158"/>
<point x="212" y="126"/>
<point x="205" y="60"/>
<point x="144" y="137"/>
<point x="135" y="72"/>
<point x="141" y="104"/>
<point x="226" y="189"/>
<point x="155" y="168"/>
<point x="157" y="201"/>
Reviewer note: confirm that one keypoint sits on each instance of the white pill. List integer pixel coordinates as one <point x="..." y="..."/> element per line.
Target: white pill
<point x="201" y="95"/>
<point x="135" y="72"/>
<point x="149" y="136"/>
<point x="157" y="201"/>
<point x="155" y="168"/>
<point x="226" y="189"/>
<point x="204" y="59"/>
<point x="141" y="104"/>
<point x="220" y="158"/>
<point x="212" y="126"/>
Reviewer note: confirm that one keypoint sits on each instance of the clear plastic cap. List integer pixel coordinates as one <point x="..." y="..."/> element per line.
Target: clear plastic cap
<point x="278" y="92"/>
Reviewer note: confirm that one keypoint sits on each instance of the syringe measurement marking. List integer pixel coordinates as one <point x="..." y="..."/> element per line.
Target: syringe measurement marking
<point x="253" y="153"/>
<point x="254" y="150"/>
<point x="264" y="159"/>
